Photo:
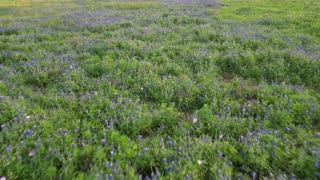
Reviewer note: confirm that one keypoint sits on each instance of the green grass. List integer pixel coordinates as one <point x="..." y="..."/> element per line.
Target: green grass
<point x="287" y="15"/>
<point x="168" y="88"/>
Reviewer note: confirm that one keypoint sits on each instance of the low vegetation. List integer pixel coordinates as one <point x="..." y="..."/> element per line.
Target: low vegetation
<point x="166" y="89"/>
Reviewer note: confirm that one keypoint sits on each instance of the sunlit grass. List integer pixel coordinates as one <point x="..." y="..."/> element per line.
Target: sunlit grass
<point x="26" y="8"/>
<point x="302" y="16"/>
<point x="26" y="3"/>
<point x="277" y="9"/>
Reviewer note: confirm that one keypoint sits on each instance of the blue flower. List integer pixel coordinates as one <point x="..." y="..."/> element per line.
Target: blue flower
<point x="271" y="175"/>
<point x="28" y="132"/>
<point x="145" y="150"/>
<point x="254" y="175"/>
<point x="103" y="141"/>
<point x="286" y="129"/>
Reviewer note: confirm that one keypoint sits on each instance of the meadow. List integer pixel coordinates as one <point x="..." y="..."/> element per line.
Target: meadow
<point x="160" y="89"/>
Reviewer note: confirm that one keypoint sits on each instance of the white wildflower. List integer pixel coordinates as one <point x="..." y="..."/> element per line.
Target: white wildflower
<point x="194" y="119"/>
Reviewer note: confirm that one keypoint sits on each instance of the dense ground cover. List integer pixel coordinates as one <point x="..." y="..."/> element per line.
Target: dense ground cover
<point x="160" y="89"/>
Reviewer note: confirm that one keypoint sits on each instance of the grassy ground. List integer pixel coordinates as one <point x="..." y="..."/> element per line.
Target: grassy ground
<point x="287" y="15"/>
<point x="165" y="89"/>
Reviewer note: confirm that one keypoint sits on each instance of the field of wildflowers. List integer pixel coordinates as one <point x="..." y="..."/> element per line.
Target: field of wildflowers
<point x="160" y="89"/>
